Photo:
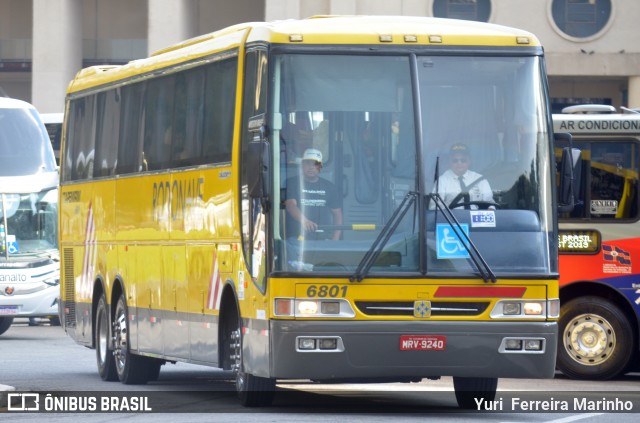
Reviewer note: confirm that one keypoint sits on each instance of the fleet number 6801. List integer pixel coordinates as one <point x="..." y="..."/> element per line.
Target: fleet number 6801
<point x="324" y="291"/>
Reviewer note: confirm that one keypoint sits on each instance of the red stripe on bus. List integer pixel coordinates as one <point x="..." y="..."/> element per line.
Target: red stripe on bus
<point x="481" y="291"/>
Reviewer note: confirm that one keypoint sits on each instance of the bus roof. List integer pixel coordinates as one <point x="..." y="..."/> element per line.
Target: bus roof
<point x="317" y="30"/>
<point x="617" y="123"/>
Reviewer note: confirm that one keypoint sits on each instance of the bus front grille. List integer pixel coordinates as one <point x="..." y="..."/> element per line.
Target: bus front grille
<point x="406" y="308"/>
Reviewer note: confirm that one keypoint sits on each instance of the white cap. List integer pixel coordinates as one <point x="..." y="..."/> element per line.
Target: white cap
<point x="312" y="154"/>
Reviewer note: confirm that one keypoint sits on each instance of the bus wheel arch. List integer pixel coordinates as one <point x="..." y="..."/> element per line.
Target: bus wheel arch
<point x="253" y="391"/>
<point x="597" y="336"/>
<point x="228" y="321"/>
<point x="97" y="293"/>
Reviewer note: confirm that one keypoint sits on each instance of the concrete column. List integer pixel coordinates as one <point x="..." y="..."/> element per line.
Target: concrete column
<point x="415" y="8"/>
<point x="171" y="21"/>
<point x="281" y="9"/>
<point x="634" y="91"/>
<point x="344" y="7"/>
<point x="57" y="51"/>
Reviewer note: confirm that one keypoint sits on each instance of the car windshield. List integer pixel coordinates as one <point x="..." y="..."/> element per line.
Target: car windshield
<point x="25" y="148"/>
<point x="352" y="151"/>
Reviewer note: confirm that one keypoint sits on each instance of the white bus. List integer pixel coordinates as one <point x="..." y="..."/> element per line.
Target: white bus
<point x="29" y="258"/>
<point x="53" y="123"/>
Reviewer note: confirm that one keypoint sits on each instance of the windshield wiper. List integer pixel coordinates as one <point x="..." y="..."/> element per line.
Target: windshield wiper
<point x="480" y="263"/>
<point x="389" y="228"/>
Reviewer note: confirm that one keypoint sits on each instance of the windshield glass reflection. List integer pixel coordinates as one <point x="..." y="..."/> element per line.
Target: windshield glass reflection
<point x="345" y="129"/>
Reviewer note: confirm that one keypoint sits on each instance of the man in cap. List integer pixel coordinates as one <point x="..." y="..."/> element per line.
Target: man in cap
<point x="312" y="201"/>
<point x="459" y="179"/>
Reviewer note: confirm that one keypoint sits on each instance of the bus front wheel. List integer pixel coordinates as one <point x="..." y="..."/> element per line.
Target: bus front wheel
<point x="470" y="391"/>
<point x="597" y="339"/>
<point x="253" y="391"/>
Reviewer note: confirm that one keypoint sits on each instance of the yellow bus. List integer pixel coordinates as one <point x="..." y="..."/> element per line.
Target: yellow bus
<point x="190" y="229"/>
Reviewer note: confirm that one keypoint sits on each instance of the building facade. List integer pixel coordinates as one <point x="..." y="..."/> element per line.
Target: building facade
<point x="591" y="45"/>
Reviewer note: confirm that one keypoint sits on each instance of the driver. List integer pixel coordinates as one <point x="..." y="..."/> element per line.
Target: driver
<point x="312" y="201"/>
<point x="459" y="179"/>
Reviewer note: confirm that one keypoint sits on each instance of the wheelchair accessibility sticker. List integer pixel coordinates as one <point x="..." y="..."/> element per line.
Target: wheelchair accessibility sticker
<point x="449" y="245"/>
<point x="12" y="244"/>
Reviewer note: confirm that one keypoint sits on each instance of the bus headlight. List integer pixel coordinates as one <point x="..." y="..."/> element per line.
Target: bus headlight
<point x="511" y="309"/>
<point x="52" y="281"/>
<point x="521" y="309"/>
<point x="331" y="307"/>
<point x="533" y="309"/>
<point x="319" y="344"/>
<point x="307" y="307"/>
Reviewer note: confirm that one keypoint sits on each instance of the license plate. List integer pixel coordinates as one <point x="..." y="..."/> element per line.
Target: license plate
<point x="423" y="342"/>
<point x="8" y="310"/>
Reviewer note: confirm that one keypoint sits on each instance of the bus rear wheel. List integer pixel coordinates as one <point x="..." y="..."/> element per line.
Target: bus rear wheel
<point x="132" y="369"/>
<point x="253" y="391"/>
<point x="470" y="390"/>
<point x="597" y="339"/>
<point x="104" y="351"/>
<point x="5" y="324"/>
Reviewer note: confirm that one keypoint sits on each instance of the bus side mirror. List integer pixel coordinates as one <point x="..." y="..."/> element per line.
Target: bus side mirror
<point x="570" y="170"/>
<point x="259" y="163"/>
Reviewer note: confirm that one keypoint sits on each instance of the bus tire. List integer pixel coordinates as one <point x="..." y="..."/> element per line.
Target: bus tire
<point x="132" y="369"/>
<point x="5" y="324"/>
<point x="104" y="351"/>
<point x="154" y="367"/>
<point x="253" y="391"/>
<point x="470" y="390"/>
<point x="597" y="339"/>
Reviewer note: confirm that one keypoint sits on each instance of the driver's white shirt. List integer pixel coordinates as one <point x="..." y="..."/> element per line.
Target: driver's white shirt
<point x="449" y="187"/>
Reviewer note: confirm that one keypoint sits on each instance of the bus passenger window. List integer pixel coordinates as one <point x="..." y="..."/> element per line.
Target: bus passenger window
<point x="158" y="123"/>
<point x="609" y="181"/>
<point x="132" y="112"/>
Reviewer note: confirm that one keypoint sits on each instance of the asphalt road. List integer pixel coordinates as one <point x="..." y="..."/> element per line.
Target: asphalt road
<point x="43" y="361"/>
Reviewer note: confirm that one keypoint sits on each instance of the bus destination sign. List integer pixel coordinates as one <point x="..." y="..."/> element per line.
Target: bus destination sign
<point x="579" y="241"/>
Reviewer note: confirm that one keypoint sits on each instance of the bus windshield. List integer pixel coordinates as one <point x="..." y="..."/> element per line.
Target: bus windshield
<point x="28" y="180"/>
<point x="23" y="150"/>
<point x="31" y="222"/>
<point x="366" y="143"/>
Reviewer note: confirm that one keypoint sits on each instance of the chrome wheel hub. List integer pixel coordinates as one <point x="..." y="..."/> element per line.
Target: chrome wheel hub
<point x="589" y="339"/>
<point x="120" y="339"/>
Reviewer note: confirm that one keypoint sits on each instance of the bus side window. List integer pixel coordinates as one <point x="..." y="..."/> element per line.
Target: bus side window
<point x="108" y="128"/>
<point x="132" y="113"/>
<point x="79" y="162"/>
<point x="158" y="129"/>
<point x="608" y="186"/>
<point x="614" y="181"/>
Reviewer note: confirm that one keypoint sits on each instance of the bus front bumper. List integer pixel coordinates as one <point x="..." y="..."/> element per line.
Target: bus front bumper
<point x="36" y="300"/>
<point x="400" y="349"/>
